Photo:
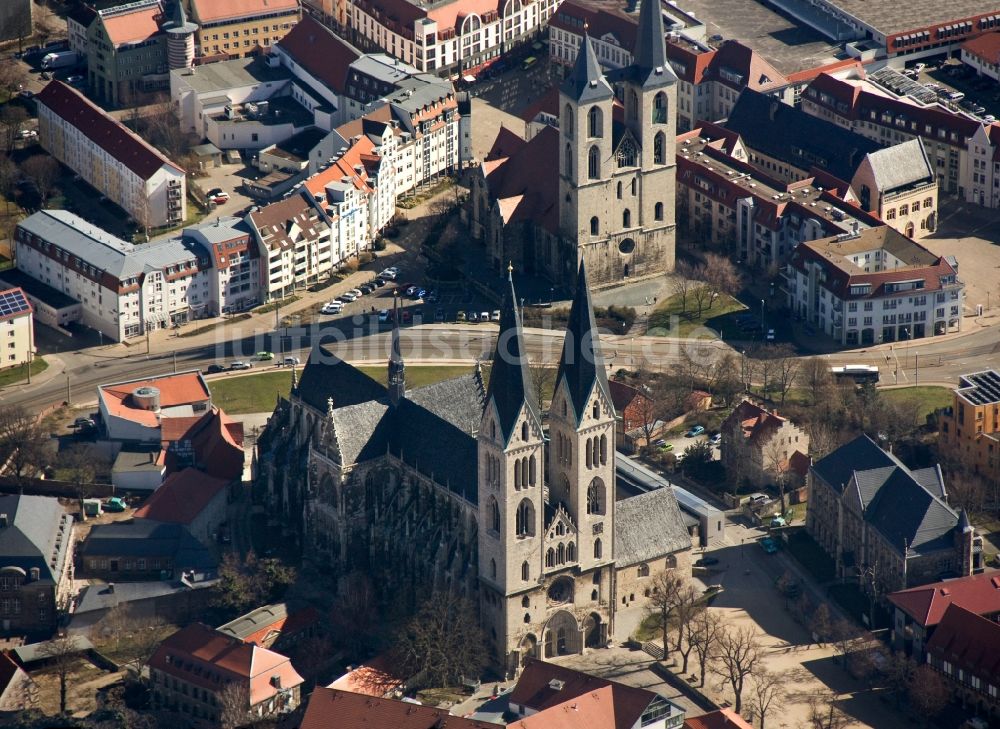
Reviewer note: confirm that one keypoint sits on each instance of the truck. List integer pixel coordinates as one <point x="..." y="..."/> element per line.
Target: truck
<point x="60" y="59"/>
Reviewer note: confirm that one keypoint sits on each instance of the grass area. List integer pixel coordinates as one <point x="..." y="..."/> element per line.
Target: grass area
<point x="810" y="555"/>
<point x="649" y="629"/>
<point x="411" y="201"/>
<point x="276" y="304"/>
<point x="673" y="317"/>
<point x="20" y="373"/>
<point x="210" y="327"/>
<point x="928" y="399"/>
<point x="258" y="393"/>
<point x="438" y="696"/>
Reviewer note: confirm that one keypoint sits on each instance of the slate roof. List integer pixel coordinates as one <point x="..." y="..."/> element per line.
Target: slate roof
<point x="148" y="538"/>
<point x="649" y="526"/>
<point x="901" y="165"/>
<point x="581" y="364"/>
<point x="511" y="389"/>
<point x="649" y="57"/>
<point x="926" y="604"/>
<point x="331" y="708"/>
<point x="969" y="642"/>
<point x="99" y="597"/>
<point x="37" y="535"/>
<point x="789" y="134"/>
<point x="586" y="82"/>
<point x="335" y="379"/>
<point x="895" y="503"/>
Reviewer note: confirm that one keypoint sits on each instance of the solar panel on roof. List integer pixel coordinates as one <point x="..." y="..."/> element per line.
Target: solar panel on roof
<point x="11" y="303"/>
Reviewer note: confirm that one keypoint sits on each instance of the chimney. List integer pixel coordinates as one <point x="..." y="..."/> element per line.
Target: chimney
<point x="111" y="588"/>
<point x="276" y="681"/>
<point x="3" y="521"/>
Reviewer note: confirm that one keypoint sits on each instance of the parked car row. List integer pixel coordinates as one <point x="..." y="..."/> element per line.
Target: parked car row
<point x="472" y="317"/>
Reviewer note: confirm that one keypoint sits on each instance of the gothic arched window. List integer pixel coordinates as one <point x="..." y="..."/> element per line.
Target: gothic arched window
<point x="595" y="122"/>
<point x="633" y="106"/>
<point x="493" y="568"/>
<point x="619" y="190"/>
<point x="568" y="120"/>
<point x="532" y="468"/>
<point x="569" y="160"/>
<point x="596" y="410"/>
<point x="493" y="510"/>
<point x="594" y="163"/>
<point x="604" y="449"/>
<point x="597" y="451"/>
<point x="517" y="475"/>
<point x="659" y="149"/>
<point x="597" y="548"/>
<point x="525" y="571"/>
<point x="561" y="554"/>
<point x="595" y="497"/>
<point x="627" y="218"/>
<point x="524" y="473"/>
<point x="550" y="558"/>
<point x="658" y="211"/>
<point x="595" y="226"/>
<point x="571" y="552"/>
<point x="589" y="454"/>
<point x="524" y="431"/>
<point x="660" y="108"/>
<point x="525" y="519"/>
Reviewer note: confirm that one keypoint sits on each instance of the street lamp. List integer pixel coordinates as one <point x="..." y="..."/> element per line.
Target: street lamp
<point x="763" y="324"/>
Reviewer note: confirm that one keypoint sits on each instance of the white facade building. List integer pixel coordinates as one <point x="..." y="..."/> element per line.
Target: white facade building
<point x="17" y="333"/>
<point x="114" y="160"/>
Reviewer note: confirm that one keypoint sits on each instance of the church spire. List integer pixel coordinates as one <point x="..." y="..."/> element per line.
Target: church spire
<point x="581" y="364"/>
<point x="650" y="49"/>
<point x="586" y="81"/>
<point x="510" y="381"/>
<point x="397" y="370"/>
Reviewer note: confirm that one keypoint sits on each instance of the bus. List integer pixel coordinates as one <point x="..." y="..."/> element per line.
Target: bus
<point x="858" y="373"/>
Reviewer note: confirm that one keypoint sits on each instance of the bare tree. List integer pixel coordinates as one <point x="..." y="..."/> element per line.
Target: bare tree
<point x="824" y="714"/>
<point x="22" y="443"/>
<point x="737" y="655"/>
<point x="899" y="674"/>
<point x="543" y="380"/>
<point x="844" y="637"/>
<point x="786" y="368"/>
<point x="46" y="22"/>
<point x="928" y="692"/>
<point x="61" y="654"/>
<point x="768" y="689"/>
<point x="689" y="604"/>
<point x="12" y="77"/>
<point x="823" y="439"/>
<point x="724" y="381"/>
<point x="356" y="613"/>
<point x="681" y="283"/>
<point x="442" y="642"/>
<point x="820" y="625"/>
<point x="43" y="172"/>
<point x="234" y="705"/>
<point x="667" y="587"/>
<point x="12" y="120"/>
<point x="9" y="175"/>
<point x="775" y="455"/>
<point x="816" y="376"/>
<point x="720" y="276"/>
<point x="704" y="633"/>
<point x="701" y="294"/>
<point x="81" y="466"/>
<point x="967" y="491"/>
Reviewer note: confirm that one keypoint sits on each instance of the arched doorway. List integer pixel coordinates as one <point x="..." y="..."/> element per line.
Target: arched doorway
<point x="562" y="635"/>
<point x="529" y="648"/>
<point x="909" y="230"/>
<point x="594" y="631"/>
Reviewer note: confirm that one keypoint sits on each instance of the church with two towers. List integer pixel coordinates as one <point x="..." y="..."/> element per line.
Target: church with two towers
<point x="599" y="189"/>
<point x="467" y="485"/>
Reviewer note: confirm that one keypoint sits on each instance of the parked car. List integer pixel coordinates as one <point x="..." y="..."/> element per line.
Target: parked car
<point x="240" y="365"/>
<point x="378" y="281"/>
<point x="347" y="297"/>
<point x="706" y="562"/>
<point x="716" y="439"/>
<point x="332" y="307"/>
<point x="366" y="289"/>
<point x="667" y="447"/>
<point x="26" y="134"/>
<point x="439" y="314"/>
<point x="220" y="197"/>
<point x="358" y="293"/>
<point x="388" y="275"/>
<point x="265" y="356"/>
<point x="695" y="431"/>
<point x="660" y="443"/>
<point x="411" y="290"/>
<point x="115" y="504"/>
<point x="419" y="294"/>
<point x="76" y="80"/>
<point x="484" y="316"/>
<point x="495" y="315"/>
<point x="383" y="315"/>
<point x="214" y="369"/>
<point x="460" y="316"/>
<point x="288" y="361"/>
<point x="84" y="422"/>
<point x="26" y="93"/>
<point x="778" y="521"/>
<point x="768" y="545"/>
<point x="473" y="317"/>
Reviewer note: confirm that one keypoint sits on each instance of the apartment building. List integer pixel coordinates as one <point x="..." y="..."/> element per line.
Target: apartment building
<point x="126" y="51"/>
<point x="126" y="290"/>
<point x="761" y="446"/>
<point x="983" y="55"/>
<point x="898" y="185"/>
<point x="874" y="286"/>
<point x="110" y="157"/>
<point x="240" y="28"/>
<point x="970" y="428"/>
<point x="78" y="22"/>
<point x="17" y="327"/>
<point x="727" y="203"/>
<point x="450" y="36"/>
<point x="191" y="668"/>
<point x="963" y="649"/>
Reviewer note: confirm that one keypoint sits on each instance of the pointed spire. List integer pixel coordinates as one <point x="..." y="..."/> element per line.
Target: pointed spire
<point x="650" y="48"/>
<point x="581" y="364"/>
<point x="179" y="17"/>
<point x="964" y="524"/>
<point x="397" y="370"/>
<point x="295" y="379"/>
<point x="586" y="81"/>
<point x="510" y="381"/>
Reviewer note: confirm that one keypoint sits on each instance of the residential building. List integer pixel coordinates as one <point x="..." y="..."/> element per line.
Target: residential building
<point x="542" y="564"/>
<point x="964" y="649"/>
<point x="761" y="447"/>
<point x="719" y="719"/>
<point x="17" y="327"/>
<point x="110" y="157"/>
<point x="885" y="525"/>
<point x="450" y="37"/>
<point x="138" y="468"/>
<point x="918" y="610"/>
<point x="240" y="28"/>
<point x="49" y="306"/>
<point x="138" y="410"/>
<point x="874" y="286"/>
<point x="35" y="563"/>
<point x="78" y="22"/>
<point x="983" y="55"/>
<point x="725" y="202"/>
<point x="126" y="52"/>
<point x="279" y="627"/>
<point x="191" y="668"/>
<point x="549" y="696"/>
<point x="898" y="185"/>
<point x="144" y="550"/>
<point x="192" y="498"/>
<point x="635" y="413"/>
<point x="599" y="190"/>
<point x="211" y="441"/>
<point x="124" y="290"/>
<point x="970" y="428"/>
<point x="333" y="708"/>
<point x="176" y="601"/>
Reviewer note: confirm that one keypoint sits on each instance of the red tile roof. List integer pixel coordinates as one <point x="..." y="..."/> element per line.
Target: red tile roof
<point x="320" y="52"/>
<point x="334" y="709"/>
<point x="215" y="441"/>
<point x="197" y="654"/>
<point x="837" y="66"/>
<point x="721" y="719"/>
<point x="287" y="626"/>
<point x="449" y="16"/>
<point x="927" y="604"/>
<point x="592" y="710"/>
<point x="109" y="134"/>
<point x="375" y="678"/>
<point x="756" y="72"/>
<point x="986" y="47"/>
<point x="182" y="497"/>
<point x="180" y="389"/>
<point x="601" y="21"/>
<point x="969" y="642"/>
<point x="135" y="26"/>
<point x="522" y="177"/>
<point x="212" y="10"/>
<point x="755" y="423"/>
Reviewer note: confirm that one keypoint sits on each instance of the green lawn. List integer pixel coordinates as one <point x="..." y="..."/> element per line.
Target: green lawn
<point x="929" y="398"/>
<point x="672" y="318"/>
<point x="20" y="373"/>
<point x="258" y="393"/>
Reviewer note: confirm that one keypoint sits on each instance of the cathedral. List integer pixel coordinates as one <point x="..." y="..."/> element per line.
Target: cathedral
<point x="599" y="189"/>
<point x="467" y="486"/>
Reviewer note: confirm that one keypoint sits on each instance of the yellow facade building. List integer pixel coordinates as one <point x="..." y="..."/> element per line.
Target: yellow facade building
<point x="970" y="431"/>
<point x="241" y="28"/>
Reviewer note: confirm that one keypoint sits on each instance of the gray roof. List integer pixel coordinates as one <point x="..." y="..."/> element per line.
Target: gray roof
<point x="586" y="81"/>
<point x="27" y="654"/>
<point x="148" y="538"/>
<point x="901" y="166"/>
<point x="248" y="624"/>
<point x="37" y="535"/>
<point x="415" y="92"/>
<point x="225" y="75"/>
<point x="104" y="251"/>
<point x="221" y="229"/>
<point x="136" y="462"/>
<point x="649" y="526"/>
<point x="581" y="364"/>
<point x="384" y="68"/>
<point x="649" y="57"/>
<point x="100" y="597"/>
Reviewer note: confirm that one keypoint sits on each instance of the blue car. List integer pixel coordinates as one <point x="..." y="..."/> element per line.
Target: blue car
<point x="768" y="545"/>
<point x="695" y="431"/>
